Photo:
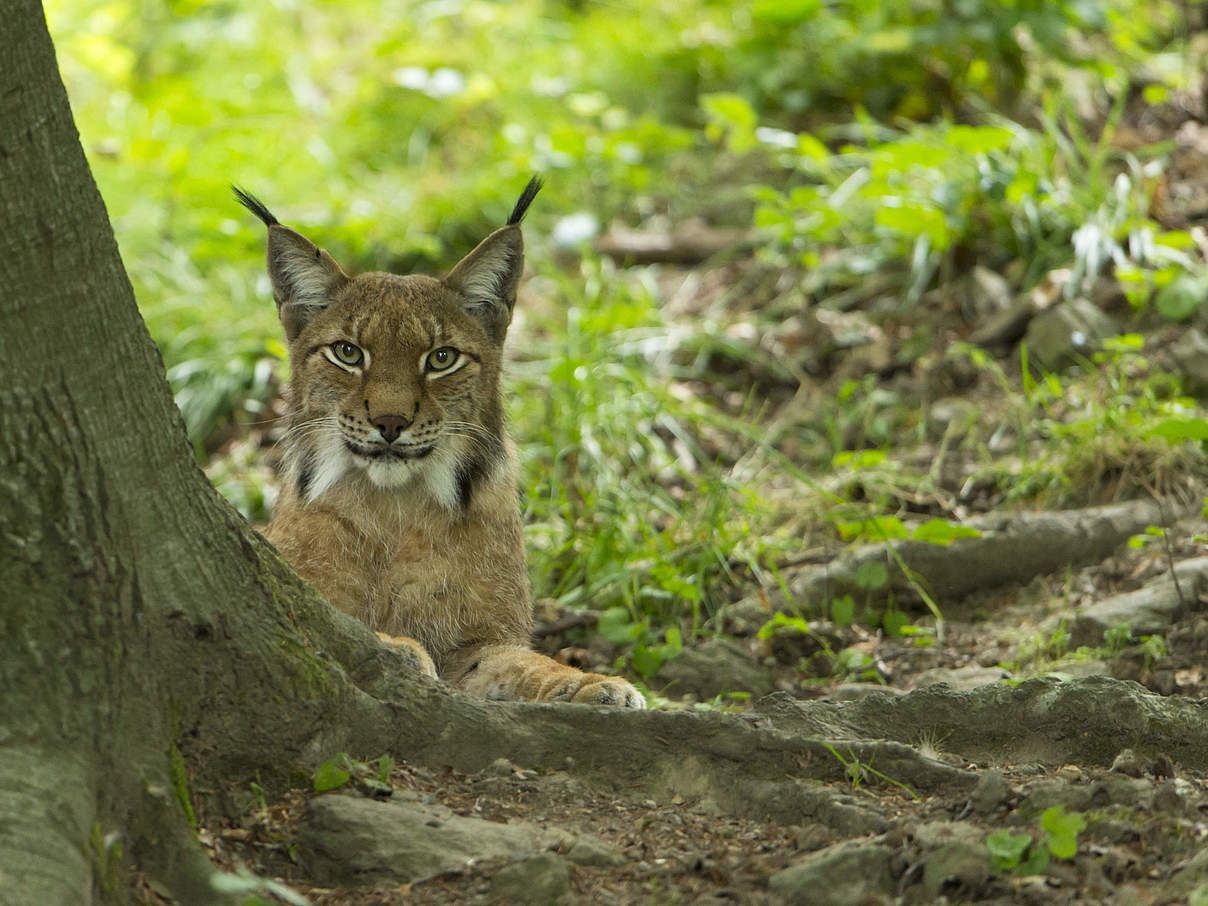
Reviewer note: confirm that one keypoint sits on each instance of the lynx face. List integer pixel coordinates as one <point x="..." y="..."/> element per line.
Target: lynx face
<point x="394" y="380"/>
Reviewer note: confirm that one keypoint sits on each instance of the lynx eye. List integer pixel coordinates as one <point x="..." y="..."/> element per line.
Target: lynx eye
<point x="442" y="359"/>
<point x="346" y="353"/>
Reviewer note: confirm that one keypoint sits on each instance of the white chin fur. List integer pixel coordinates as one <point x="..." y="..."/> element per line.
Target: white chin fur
<point x="393" y="473"/>
<point x="437" y="472"/>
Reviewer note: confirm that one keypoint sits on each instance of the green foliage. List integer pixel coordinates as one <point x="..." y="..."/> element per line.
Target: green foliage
<point x="333" y="773"/>
<point x="858" y="771"/>
<point x="626" y="508"/>
<point x="881" y="148"/>
<point x="648" y="654"/>
<point x="1063" y="830"/>
<point x="1007" y="852"/>
<point x="1118" y="419"/>
<point x="782" y="619"/>
<point x="1117" y="637"/>
<point x="372" y="777"/>
<point x="1023" y="854"/>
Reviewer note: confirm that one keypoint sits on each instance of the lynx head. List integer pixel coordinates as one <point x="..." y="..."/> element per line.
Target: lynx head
<point x="394" y="381"/>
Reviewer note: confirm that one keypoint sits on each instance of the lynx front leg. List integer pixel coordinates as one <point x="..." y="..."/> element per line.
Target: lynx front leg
<point x="513" y="672"/>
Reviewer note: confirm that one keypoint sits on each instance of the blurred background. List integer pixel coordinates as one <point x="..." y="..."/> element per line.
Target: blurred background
<point x="804" y="274"/>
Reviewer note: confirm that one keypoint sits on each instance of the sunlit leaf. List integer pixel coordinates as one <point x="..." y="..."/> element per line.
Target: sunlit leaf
<point x="941" y="531"/>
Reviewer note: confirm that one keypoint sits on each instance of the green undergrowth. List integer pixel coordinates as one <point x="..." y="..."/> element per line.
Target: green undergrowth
<point x="632" y="499"/>
<point x="676" y="457"/>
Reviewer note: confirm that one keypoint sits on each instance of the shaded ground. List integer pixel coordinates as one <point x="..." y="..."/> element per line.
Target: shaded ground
<point x="907" y="839"/>
<point x="1117" y="812"/>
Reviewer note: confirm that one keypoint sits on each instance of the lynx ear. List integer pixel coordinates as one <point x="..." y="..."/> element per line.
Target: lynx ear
<point x="304" y="277"/>
<point x="487" y="279"/>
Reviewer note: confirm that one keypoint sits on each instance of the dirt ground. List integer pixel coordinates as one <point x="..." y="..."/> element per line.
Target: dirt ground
<point x="1142" y="837"/>
<point x="1121" y="821"/>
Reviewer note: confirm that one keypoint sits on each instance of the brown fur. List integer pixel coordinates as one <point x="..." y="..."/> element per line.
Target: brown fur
<point x="400" y="498"/>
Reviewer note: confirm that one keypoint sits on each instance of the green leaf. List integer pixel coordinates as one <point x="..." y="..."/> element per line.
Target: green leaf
<point x="978" y="139"/>
<point x="810" y="147"/>
<point x="779" y="619"/>
<point x="732" y="118"/>
<point x="1058" y="822"/>
<point x="674" y="640"/>
<point x="784" y="13"/>
<point x="915" y="220"/>
<point x="876" y="528"/>
<point x="385" y="767"/>
<point x="872" y="575"/>
<point x="1063" y="847"/>
<point x="646" y="661"/>
<point x="858" y="459"/>
<point x="615" y="626"/>
<point x="1182" y="297"/>
<point x="1124" y="342"/>
<point x="894" y="622"/>
<point x="943" y="532"/>
<point x="1008" y="848"/>
<point x="1176" y="430"/>
<point x="843" y="610"/>
<point x="330" y="775"/>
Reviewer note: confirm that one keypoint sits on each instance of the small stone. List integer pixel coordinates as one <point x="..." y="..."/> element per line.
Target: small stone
<point x="1070" y="773"/>
<point x="988" y="293"/>
<point x="965" y="866"/>
<point x="1167" y="799"/>
<point x="594" y="852"/>
<point x="840" y="875"/>
<point x="1066" y="332"/>
<point x="813" y="837"/>
<point x="990" y="794"/>
<point x="1128" y="763"/>
<point x="544" y="878"/>
<point x="501" y="767"/>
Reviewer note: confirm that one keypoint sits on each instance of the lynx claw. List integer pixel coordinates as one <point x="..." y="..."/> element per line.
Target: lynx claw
<point x="611" y="691"/>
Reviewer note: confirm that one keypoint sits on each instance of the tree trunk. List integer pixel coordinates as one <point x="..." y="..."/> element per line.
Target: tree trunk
<point x="139" y="612"/>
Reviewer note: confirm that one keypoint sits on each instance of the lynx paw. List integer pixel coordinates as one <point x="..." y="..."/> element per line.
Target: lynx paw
<point x="413" y="651"/>
<point x="597" y="689"/>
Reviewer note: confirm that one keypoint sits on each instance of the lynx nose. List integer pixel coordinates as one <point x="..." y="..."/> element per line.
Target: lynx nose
<point x="391" y="426"/>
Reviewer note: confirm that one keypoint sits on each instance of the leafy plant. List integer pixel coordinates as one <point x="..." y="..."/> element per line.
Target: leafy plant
<point x="373" y="776"/>
<point x="647" y="654"/>
<point x="333" y="773"/>
<point x="1118" y="637"/>
<point x="1023" y="854"/>
<point x="858" y="771"/>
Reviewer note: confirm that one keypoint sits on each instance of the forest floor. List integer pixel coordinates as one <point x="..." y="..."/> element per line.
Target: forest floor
<point x="1139" y="816"/>
<point x="1068" y="815"/>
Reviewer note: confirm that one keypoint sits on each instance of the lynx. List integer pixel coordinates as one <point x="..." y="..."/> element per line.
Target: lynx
<point x="399" y="494"/>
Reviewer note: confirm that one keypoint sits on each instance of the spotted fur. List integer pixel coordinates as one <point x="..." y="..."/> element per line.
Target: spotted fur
<point x="399" y="499"/>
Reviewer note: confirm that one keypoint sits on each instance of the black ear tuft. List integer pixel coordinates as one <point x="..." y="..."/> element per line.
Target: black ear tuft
<point x="255" y="205"/>
<point x="526" y="199"/>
